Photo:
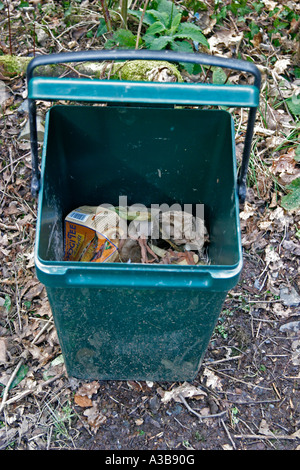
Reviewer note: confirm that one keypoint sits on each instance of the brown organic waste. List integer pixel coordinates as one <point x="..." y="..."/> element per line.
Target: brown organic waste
<point x="98" y="234"/>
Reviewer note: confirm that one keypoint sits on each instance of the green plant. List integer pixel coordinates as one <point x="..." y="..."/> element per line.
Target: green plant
<point x="291" y="201"/>
<point x="164" y="30"/>
<point x="234" y="415"/>
<point x="122" y="38"/>
<point x="61" y="418"/>
<point x="7" y="303"/>
<point x="238" y="8"/>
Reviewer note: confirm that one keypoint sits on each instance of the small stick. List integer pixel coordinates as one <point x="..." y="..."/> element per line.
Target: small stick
<point x="228" y="434"/>
<point x="216" y="415"/>
<point x="41" y="331"/>
<point x="258" y="436"/>
<point x="140" y="25"/>
<point x="25" y="393"/>
<point x="12" y="377"/>
<point x="9" y="28"/>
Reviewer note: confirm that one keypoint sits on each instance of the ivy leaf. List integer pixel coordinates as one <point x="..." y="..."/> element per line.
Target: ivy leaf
<point x="191" y="31"/>
<point x="219" y="76"/>
<point x="292" y="200"/>
<point x="102" y="28"/>
<point x="21" y="374"/>
<point x="7" y="303"/>
<point x="294" y="105"/>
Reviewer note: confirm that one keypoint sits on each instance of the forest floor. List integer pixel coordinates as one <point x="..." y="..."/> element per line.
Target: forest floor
<point x="246" y="395"/>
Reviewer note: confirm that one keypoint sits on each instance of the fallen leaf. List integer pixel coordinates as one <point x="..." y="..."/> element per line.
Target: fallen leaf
<point x="82" y="401"/>
<point x="257" y="39"/>
<point x="247" y="212"/>
<point x="281" y="65"/>
<point x="186" y="390"/>
<point x="2" y="350"/>
<point x="226" y="37"/>
<point x="134" y="385"/>
<point x="212" y="380"/>
<point x="94" y="417"/>
<point x="89" y="389"/>
<point x="296" y="352"/>
<point x="292" y="247"/>
<point x="285" y="167"/>
<point x="270" y="4"/>
<point x="264" y="428"/>
<point x="296" y="434"/>
<point x="270" y="255"/>
<point x="32" y="289"/>
<point x="227" y="447"/>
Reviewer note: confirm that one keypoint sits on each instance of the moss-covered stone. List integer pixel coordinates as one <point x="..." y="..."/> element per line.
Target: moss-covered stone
<point x="147" y="70"/>
<point x="11" y="66"/>
<point x="135" y="70"/>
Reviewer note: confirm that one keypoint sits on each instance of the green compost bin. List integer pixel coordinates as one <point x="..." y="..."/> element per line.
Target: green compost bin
<point x="136" y="321"/>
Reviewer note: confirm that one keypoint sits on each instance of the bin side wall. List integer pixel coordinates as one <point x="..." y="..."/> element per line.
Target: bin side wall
<point x="119" y="334"/>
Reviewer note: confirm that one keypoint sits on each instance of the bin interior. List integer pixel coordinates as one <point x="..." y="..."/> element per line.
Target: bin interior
<point x="153" y="155"/>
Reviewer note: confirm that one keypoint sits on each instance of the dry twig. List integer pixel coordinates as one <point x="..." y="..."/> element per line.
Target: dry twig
<point x="215" y="415"/>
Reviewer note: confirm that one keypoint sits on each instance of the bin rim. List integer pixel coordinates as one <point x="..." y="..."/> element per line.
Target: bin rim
<point x="67" y="274"/>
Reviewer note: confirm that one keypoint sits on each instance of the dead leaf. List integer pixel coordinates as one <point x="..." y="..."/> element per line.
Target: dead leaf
<point x="134" y="385"/>
<point x="94" y="417"/>
<point x="264" y="428"/>
<point x="212" y="380"/>
<point x="3" y="352"/>
<point x="78" y="33"/>
<point x="270" y="4"/>
<point x="296" y="434"/>
<point x="186" y="390"/>
<point x="247" y="212"/>
<point x="296" y="352"/>
<point x="82" y="401"/>
<point x="34" y="291"/>
<point x="271" y="256"/>
<point x="294" y="248"/>
<point x="12" y="209"/>
<point x="281" y="65"/>
<point x="45" y="309"/>
<point x="89" y="389"/>
<point x="226" y="37"/>
<point x="285" y="167"/>
<point x="257" y="39"/>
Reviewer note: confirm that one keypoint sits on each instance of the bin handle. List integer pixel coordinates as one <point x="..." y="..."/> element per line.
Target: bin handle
<point x="170" y="56"/>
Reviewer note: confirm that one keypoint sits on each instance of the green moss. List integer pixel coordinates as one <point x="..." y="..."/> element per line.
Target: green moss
<point x="146" y="70"/>
<point x="11" y="66"/>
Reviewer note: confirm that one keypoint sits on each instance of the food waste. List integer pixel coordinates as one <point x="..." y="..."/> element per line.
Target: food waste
<point x="119" y="234"/>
